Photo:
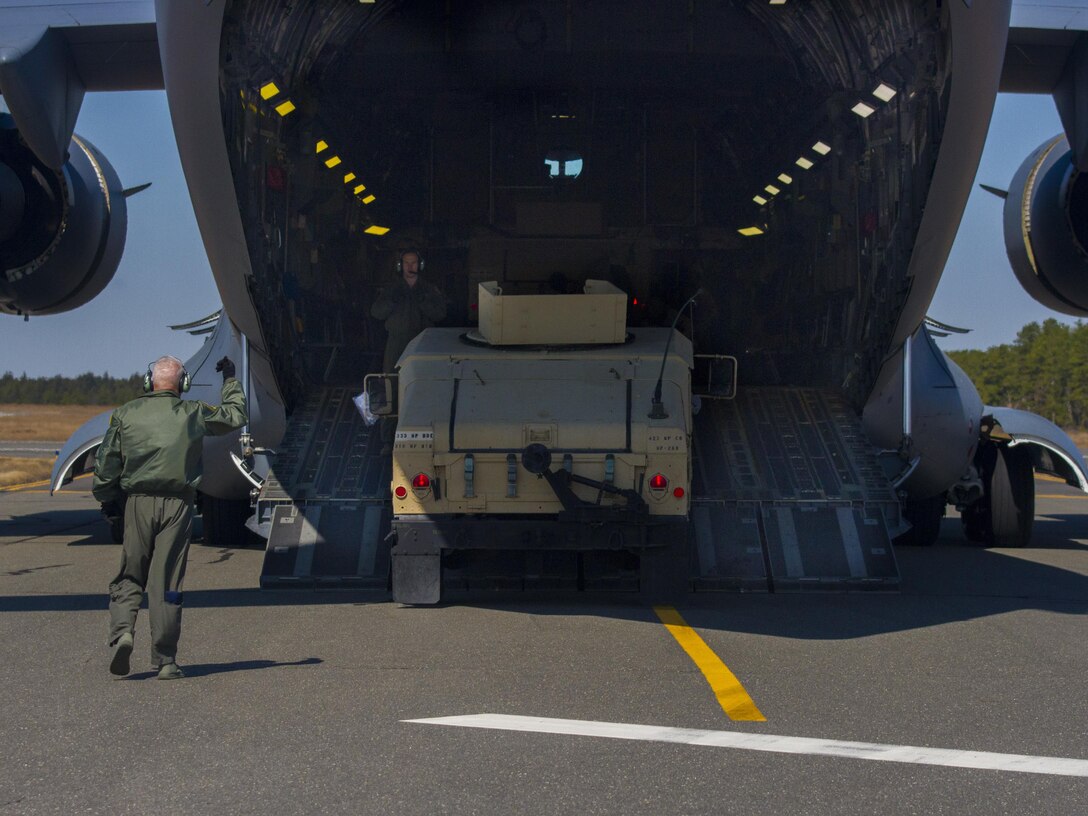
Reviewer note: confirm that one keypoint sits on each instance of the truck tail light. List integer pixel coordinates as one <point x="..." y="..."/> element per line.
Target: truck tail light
<point x="401" y="492"/>
<point x="678" y="492"/>
<point x="421" y="481"/>
<point x="658" y="482"/>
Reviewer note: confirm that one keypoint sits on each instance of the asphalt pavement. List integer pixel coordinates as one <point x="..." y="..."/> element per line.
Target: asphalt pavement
<point x="304" y="702"/>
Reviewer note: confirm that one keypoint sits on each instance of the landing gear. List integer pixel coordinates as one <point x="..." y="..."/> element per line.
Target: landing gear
<point x="225" y="522"/>
<point x="1004" y="515"/>
<point x="925" y="519"/>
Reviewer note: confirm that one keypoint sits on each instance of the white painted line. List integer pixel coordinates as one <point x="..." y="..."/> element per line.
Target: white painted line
<point x="1020" y="763"/>
<point x="307" y="541"/>
<point x="851" y="543"/>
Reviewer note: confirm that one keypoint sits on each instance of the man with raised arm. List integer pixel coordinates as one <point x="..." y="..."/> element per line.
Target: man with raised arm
<point x="149" y="462"/>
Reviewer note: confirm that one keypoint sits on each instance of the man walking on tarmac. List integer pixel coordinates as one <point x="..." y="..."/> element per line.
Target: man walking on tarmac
<point x="408" y="307"/>
<point x="149" y="461"/>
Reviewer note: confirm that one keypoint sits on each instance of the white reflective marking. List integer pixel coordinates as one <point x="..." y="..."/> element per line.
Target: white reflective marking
<point x="1020" y="763"/>
<point x="307" y="540"/>
<point x="851" y="544"/>
<point x="368" y="550"/>
<point x="704" y="539"/>
<point x="788" y="535"/>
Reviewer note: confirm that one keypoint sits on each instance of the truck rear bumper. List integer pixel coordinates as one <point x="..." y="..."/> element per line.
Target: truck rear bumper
<point x="430" y="534"/>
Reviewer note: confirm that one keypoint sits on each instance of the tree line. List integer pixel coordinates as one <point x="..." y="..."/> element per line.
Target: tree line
<point x="86" y="389"/>
<point x="1045" y="370"/>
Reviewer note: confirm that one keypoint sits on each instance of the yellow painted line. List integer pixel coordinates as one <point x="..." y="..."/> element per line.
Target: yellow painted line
<point x="1059" y="496"/>
<point x="1046" y="477"/>
<point x="9" y="488"/>
<point x="25" y="485"/>
<point x="731" y="695"/>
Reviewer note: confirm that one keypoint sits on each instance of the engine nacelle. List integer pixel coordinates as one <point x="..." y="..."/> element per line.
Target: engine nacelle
<point x="1046" y="228"/>
<point x="61" y="233"/>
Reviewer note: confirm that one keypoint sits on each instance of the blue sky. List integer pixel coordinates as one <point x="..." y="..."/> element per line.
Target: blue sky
<point x="978" y="289"/>
<point x="164" y="276"/>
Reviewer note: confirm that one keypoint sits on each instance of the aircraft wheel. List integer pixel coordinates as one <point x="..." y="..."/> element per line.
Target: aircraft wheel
<point x="1011" y="489"/>
<point x="225" y="522"/>
<point x="925" y="518"/>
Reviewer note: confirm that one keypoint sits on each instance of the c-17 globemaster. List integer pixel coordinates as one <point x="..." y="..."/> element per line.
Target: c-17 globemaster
<point x="804" y="166"/>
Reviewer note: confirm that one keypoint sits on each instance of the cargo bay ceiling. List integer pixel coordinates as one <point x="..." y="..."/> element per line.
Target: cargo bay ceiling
<point x="665" y="145"/>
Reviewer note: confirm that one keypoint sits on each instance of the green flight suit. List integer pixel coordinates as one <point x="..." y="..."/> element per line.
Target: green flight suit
<point x="150" y="459"/>
<point x="406" y="310"/>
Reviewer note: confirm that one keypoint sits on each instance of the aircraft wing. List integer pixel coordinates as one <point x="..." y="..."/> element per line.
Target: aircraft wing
<point x="1042" y="36"/>
<point x="52" y="53"/>
<point x="113" y="45"/>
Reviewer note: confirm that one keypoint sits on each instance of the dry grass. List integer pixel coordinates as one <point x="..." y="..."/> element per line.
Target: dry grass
<point x="44" y="422"/>
<point x="17" y="470"/>
<point x="1080" y="439"/>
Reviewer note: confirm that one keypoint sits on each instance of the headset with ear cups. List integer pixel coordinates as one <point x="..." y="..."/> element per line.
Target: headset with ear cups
<point x="400" y="259"/>
<point x="183" y="384"/>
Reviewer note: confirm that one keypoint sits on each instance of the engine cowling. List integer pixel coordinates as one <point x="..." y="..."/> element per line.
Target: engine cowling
<point x="62" y="232"/>
<point x="1046" y="228"/>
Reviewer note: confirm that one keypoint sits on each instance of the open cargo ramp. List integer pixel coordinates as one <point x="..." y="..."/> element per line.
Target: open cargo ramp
<point x="788" y="495"/>
<point x="326" y="500"/>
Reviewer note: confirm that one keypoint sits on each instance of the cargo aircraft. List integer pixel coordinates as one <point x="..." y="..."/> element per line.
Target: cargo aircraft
<point x="802" y="165"/>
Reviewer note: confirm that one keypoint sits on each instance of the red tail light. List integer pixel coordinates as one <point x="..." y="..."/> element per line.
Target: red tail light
<point x="400" y="492"/>
<point x="421" y="482"/>
<point x="658" y="482"/>
<point x="679" y="492"/>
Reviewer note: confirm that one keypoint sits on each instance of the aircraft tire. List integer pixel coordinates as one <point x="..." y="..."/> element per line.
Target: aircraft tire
<point x="224" y="522"/>
<point x="1011" y="490"/>
<point x="925" y="517"/>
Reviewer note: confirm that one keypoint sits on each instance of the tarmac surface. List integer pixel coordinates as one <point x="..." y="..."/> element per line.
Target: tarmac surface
<point x="299" y="702"/>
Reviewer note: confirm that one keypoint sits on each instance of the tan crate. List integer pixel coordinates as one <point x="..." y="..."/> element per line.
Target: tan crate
<point x="597" y="316"/>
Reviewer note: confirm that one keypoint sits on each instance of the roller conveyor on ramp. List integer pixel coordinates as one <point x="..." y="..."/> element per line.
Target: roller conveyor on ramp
<point x="327" y="500"/>
<point x="788" y="495"/>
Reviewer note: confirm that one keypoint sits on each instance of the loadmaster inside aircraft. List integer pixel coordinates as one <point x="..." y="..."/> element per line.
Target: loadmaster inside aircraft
<point x="662" y="147"/>
<point x="797" y="170"/>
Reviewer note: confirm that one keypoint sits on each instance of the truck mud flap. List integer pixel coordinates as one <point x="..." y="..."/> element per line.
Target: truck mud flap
<point x="417" y="571"/>
<point x="328" y="545"/>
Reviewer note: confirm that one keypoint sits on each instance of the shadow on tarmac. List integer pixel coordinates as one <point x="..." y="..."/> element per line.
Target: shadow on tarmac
<point x="68" y="522"/>
<point x="951" y="581"/>
<point x="58" y="522"/>
<point x="197" y="599"/>
<point x="207" y="669"/>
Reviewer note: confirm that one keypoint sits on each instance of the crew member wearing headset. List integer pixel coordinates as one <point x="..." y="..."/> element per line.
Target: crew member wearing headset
<point x="149" y="461"/>
<point x="408" y="307"/>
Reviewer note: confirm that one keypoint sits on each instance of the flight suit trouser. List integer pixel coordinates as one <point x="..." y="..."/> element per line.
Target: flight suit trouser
<point x="153" y="556"/>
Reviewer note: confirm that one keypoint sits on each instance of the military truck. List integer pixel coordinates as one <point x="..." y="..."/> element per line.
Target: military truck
<point x="553" y="429"/>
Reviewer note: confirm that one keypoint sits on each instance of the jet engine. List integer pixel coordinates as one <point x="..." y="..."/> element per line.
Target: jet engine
<point x="1046" y="228"/>
<point x="61" y="232"/>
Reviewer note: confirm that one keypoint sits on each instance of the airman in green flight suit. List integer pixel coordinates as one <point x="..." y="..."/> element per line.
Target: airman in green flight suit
<point x="408" y="307"/>
<point x="149" y="461"/>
